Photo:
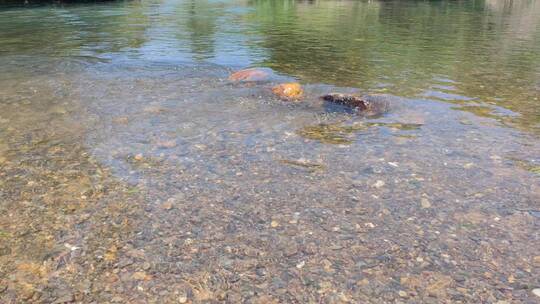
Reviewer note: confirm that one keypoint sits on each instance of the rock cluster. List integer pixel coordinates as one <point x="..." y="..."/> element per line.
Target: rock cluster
<point x="292" y="91"/>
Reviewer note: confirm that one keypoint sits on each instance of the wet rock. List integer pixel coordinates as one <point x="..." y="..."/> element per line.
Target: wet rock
<point x="346" y="99"/>
<point x="253" y="74"/>
<point x="370" y="104"/>
<point x="289" y="91"/>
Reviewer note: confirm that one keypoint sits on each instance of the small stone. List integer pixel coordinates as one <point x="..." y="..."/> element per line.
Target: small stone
<point x="301" y="265"/>
<point x="167" y="205"/>
<point x="468" y="165"/>
<point x="140" y="275"/>
<point x="200" y="147"/>
<point x="289" y="91"/>
<point x="369" y="225"/>
<point x="182" y="298"/>
<point x="379" y="184"/>
<point x="274" y="224"/>
<point x="362" y="282"/>
<point x="71" y="247"/>
<point x="138" y="157"/>
<point x="536" y="292"/>
<point x="402" y="294"/>
<point x="424" y="202"/>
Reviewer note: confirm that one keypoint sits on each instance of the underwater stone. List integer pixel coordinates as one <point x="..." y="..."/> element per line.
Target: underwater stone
<point x="369" y="104"/>
<point x="289" y="91"/>
<point x="253" y="74"/>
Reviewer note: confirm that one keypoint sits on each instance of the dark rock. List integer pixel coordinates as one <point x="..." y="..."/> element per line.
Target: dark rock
<point x="369" y="104"/>
<point x="347" y="100"/>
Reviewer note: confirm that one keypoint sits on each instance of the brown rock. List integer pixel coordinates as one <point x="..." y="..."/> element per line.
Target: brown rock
<point x="167" y="205"/>
<point x="253" y="74"/>
<point x="289" y="91"/>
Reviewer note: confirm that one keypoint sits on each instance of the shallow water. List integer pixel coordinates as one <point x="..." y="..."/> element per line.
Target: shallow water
<point x="133" y="171"/>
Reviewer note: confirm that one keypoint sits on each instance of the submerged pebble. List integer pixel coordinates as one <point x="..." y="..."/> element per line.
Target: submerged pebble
<point x="379" y="184"/>
<point x="289" y="91"/>
<point x="253" y="74"/>
<point x="424" y="202"/>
